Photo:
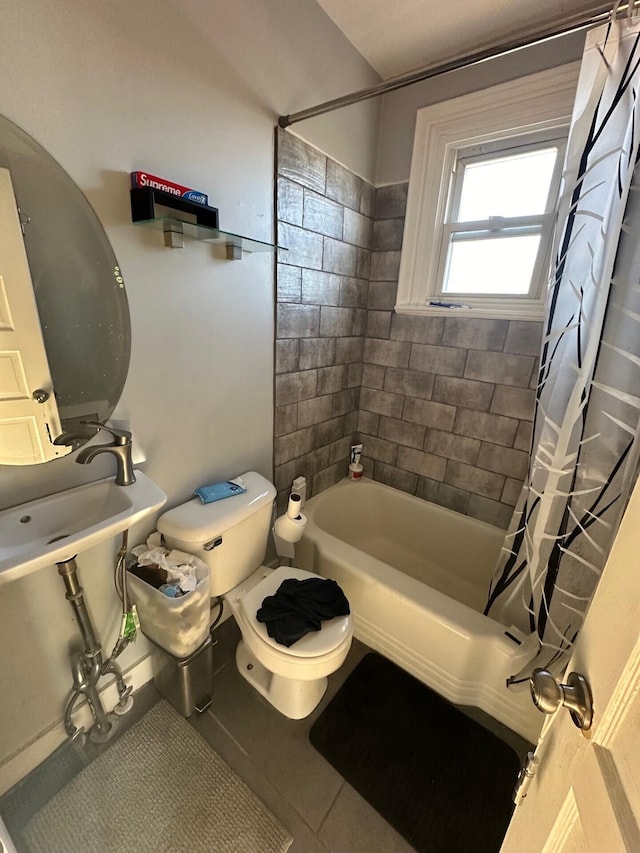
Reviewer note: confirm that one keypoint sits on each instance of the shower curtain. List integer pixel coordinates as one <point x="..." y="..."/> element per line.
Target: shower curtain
<point x="584" y="452"/>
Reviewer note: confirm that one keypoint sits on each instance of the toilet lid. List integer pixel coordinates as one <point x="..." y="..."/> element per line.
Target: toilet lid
<point x="313" y="644"/>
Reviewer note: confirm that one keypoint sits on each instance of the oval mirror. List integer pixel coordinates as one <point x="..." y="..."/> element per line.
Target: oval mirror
<point x="79" y="293"/>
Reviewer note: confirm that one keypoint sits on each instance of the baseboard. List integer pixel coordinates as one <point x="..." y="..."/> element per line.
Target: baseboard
<point x="21" y="764"/>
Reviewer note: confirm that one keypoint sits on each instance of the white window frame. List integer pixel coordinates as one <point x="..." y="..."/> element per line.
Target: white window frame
<point x="519" y="108"/>
<point x="495" y="226"/>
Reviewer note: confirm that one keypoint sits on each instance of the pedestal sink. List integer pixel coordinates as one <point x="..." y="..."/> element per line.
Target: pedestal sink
<point x="53" y="529"/>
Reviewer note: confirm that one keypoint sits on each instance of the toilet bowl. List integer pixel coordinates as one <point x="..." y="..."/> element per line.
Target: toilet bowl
<point x="231" y="537"/>
<point x="292" y="678"/>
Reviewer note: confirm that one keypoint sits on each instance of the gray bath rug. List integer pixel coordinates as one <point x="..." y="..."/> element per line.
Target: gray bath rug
<point x="159" y="788"/>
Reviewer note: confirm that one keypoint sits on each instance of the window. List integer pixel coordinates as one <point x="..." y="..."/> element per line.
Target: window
<point x="484" y="182"/>
<point x="497" y="231"/>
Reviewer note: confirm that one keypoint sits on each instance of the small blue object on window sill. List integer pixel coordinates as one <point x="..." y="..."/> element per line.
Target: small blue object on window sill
<point x="219" y="491"/>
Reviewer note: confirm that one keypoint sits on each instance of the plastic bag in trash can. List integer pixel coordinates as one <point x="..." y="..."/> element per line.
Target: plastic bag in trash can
<point x="178" y="624"/>
<point x="180" y="567"/>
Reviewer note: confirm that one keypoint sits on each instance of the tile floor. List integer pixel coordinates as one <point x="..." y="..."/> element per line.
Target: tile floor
<point x="274" y="757"/>
<point x="271" y="753"/>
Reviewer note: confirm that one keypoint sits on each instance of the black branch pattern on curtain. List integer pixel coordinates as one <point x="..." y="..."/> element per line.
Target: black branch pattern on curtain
<point x="578" y="309"/>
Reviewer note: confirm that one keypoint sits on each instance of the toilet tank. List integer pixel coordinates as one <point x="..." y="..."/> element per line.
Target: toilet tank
<point x="230" y="535"/>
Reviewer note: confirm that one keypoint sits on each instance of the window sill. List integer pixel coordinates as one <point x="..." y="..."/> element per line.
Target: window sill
<point x="534" y="313"/>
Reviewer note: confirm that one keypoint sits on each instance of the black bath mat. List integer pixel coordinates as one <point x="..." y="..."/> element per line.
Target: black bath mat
<point x="441" y="779"/>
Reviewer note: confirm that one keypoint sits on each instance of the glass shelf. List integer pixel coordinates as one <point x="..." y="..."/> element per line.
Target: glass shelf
<point x="197" y="222"/>
<point x="235" y="244"/>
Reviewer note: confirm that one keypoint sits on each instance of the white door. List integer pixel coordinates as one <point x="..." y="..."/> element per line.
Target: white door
<point x="585" y="795"/>
<point x="28" y="424"/>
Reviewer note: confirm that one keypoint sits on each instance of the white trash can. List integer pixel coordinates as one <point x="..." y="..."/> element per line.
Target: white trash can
<point x="178" y="625"/>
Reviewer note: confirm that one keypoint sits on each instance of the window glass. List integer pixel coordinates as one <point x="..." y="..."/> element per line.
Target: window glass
<point x="512" y="185"/>
<point x="497" y="265"/>
<point x="495" y="238"/>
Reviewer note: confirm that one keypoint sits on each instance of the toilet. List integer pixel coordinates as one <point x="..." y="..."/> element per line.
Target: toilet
<point x="230" y="536"/>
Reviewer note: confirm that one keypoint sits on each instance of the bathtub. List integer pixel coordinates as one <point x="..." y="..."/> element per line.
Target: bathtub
<point x="416" y="576"/>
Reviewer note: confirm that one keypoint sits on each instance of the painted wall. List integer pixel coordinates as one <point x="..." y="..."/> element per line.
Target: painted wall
<point x="398" y="118"/>
<point x="189" y="90"/>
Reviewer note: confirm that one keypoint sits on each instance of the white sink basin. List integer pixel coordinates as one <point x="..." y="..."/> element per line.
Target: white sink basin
<point x="53" y="529"/>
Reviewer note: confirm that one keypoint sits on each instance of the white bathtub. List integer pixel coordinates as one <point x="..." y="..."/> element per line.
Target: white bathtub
<point x="416" y="576"/>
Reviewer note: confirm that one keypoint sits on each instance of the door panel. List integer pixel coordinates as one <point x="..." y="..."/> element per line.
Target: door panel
<point x="586" y="793"/>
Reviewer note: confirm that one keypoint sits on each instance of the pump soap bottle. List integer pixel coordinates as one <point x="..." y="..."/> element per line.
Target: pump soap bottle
<point x="355" y="467"/>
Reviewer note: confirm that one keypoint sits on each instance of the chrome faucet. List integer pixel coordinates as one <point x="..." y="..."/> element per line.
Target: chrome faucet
<point x="120" y="447"/>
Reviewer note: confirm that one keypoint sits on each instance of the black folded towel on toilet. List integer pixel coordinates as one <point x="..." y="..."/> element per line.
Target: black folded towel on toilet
<point x="299" y="607"/>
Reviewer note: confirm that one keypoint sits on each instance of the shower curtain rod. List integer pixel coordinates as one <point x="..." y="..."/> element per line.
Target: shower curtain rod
<point x="435" y="71"/>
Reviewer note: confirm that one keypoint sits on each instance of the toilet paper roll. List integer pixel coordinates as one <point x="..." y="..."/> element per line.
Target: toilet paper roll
<point x="294" y="506"/>
<point x="290" y="529"/>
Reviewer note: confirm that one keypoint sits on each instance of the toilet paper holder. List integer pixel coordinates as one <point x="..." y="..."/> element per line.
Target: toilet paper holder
<point x="289" y="527"/>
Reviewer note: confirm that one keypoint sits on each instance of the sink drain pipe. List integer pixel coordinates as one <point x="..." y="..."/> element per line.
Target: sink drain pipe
<point x="87" y="668"/>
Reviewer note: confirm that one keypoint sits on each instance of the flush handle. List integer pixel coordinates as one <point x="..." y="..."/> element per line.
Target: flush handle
<point x="548" y="695"/>
<point x="213" y="544"/>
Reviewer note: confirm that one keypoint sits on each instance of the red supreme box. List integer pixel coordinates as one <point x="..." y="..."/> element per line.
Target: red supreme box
<point x="144" y="179"/>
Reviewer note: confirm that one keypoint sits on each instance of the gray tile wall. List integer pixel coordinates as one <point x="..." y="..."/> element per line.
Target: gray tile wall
<point x="446" y="402"/>
<point x="443" y="405"/>
<point x="324" y="218"/>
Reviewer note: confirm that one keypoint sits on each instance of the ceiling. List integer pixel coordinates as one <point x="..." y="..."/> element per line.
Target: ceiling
<point x="396" y="36"/>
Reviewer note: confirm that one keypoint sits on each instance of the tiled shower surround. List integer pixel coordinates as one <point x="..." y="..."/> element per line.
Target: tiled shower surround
<point x="442" y="405"/>
<point x="324" y="215"/>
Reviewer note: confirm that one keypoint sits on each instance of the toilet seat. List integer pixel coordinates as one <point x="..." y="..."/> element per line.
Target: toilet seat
<point x="314" y="644"/>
